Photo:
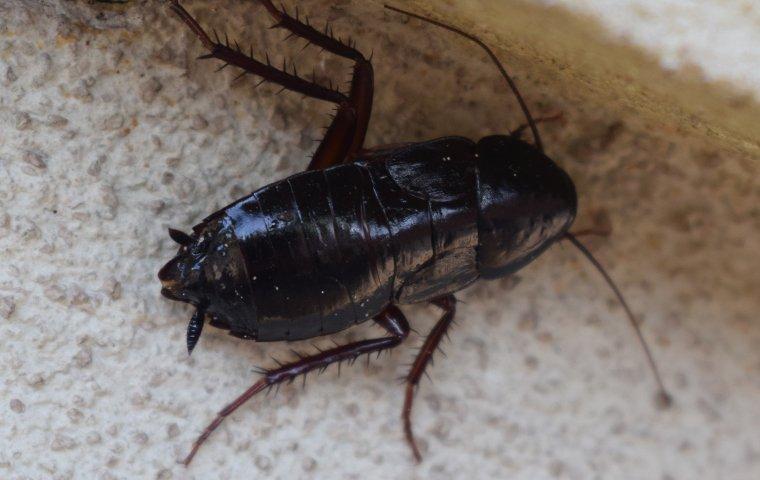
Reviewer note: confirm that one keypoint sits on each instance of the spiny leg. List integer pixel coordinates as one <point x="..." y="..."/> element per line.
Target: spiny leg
<point x="324" y="39"/>
<point x="448" y="304"/>
<point x="345" y="136"/>
<point x="235" y="56"/>
<point x="391" y="319"/>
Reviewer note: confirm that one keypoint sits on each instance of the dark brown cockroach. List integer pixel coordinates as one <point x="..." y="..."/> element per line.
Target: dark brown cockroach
<point x="365" y="229"/>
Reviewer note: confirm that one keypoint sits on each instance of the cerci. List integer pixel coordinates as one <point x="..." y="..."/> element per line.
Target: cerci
<point x="363" y="230"/>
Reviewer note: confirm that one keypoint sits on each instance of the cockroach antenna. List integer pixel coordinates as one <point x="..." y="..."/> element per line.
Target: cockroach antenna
<point x="664" y="398"/>
<point x="510" y="82"/>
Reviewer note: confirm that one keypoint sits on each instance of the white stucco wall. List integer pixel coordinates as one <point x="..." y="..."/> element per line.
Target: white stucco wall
<point x="718" y="37"/>
<point x="110" y="132"/>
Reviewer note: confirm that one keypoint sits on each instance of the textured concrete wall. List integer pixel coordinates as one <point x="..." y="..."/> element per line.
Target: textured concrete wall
<point x="110" y="132"/>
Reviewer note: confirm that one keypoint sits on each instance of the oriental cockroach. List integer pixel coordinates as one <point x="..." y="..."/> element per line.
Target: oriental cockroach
<point x="363" y="230"/>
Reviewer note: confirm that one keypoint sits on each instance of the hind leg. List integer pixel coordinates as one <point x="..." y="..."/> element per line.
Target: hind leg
<point x="345" y="135"/>
<point x="391" y="319"/>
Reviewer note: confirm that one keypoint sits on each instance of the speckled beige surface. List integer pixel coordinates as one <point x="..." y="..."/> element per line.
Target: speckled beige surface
<point x="110" y="132"/>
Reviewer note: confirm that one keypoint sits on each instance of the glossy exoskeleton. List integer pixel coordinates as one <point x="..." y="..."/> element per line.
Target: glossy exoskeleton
<point x="364" y="230"/>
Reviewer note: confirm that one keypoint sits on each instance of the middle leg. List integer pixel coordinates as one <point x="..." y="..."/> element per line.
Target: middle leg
<point x="448" y="304"/>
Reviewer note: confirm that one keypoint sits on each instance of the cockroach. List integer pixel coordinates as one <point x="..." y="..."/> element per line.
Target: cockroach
<point x="364" y="230"/>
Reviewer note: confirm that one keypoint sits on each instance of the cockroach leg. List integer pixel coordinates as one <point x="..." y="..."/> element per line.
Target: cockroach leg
<point x="391" y="319"/>
<point x="345" y="136"/>
<point x="448" y="304"/>
<point x="232" y="55"/>
<point x="307" y="32"/>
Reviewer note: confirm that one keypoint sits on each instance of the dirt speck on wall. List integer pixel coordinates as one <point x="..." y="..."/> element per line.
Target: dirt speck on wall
<point x="111" y="131"/>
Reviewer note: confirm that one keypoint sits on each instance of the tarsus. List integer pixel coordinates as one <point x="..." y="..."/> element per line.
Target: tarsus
<point x="523" y="106"/>
<point x="664" y="396"/>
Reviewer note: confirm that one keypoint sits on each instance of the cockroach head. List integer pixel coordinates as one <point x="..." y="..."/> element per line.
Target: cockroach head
<point x="525" y="201"/>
